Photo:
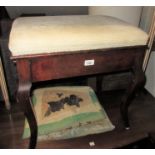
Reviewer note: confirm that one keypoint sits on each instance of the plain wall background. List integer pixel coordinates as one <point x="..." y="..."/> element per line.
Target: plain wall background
<point x="146" y="20"/>
<point x="130" y="14"/>
<point x="16" y="11"/>
<point x="127" y="13"/>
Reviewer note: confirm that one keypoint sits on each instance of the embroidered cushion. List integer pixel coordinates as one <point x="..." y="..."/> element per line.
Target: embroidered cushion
<point x="68" y="112"/>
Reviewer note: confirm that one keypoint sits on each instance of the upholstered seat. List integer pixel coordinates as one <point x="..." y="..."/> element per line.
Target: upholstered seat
<point x="48" y="34"/>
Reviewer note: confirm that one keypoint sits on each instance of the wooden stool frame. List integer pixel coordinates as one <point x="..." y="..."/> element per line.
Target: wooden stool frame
<point x="43" y="67"/>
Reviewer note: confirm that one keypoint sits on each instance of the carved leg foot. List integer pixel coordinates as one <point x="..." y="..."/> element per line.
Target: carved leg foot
<point x="137" y="83"/>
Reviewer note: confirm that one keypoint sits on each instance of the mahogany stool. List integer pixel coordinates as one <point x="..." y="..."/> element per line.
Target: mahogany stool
<point x="56" y="47"/>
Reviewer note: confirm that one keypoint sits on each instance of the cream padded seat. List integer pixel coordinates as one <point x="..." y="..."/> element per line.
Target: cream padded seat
<point x="48" y="34"/>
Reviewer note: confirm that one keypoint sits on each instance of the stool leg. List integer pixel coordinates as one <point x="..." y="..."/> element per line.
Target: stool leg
<point x="137" y="82"/>
<point x="23" y="98"/>
<point x="99" y="81"/>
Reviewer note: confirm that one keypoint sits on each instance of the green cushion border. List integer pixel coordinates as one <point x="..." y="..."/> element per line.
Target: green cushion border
<point x="52" y="127"/>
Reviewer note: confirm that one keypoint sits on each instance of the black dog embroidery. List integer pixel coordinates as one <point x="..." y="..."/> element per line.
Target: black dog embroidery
<point x="58" y="105"/>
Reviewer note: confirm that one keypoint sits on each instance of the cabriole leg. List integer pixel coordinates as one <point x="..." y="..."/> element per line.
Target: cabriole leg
<point x="138" y="81"/>
<point x="23" y="98"/>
